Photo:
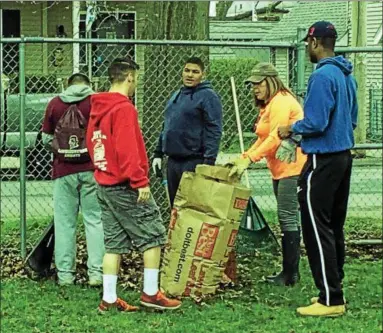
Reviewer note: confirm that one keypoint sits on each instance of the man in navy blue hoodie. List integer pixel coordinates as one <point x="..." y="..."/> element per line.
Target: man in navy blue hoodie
<point x="192" y="128"/>
<point x="330" y="116"/>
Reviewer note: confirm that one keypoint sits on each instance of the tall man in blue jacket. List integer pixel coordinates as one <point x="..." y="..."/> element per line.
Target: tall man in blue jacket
<point x="192" y="128"/>
<point x="330" y="116"/>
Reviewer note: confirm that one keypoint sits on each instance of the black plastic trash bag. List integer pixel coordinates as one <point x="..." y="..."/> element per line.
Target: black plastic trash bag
<point x="40" y="258"/>
<point x="254" y="232"/>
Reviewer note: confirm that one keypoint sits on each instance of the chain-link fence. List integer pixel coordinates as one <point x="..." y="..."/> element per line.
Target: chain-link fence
<point x="161" y="67"/>
<point x="375" y="119"/>
<point x="39" y="70"/>
<point x="369" y="66"/>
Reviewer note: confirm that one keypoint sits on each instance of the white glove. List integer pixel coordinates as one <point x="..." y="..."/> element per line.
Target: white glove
<point x="157" y="164"/>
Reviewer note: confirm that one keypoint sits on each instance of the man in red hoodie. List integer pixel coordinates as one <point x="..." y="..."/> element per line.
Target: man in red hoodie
<point x="130" y="217"/>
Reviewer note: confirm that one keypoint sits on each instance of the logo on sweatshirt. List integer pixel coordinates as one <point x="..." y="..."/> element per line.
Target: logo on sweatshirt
<point x="99" y="150"/>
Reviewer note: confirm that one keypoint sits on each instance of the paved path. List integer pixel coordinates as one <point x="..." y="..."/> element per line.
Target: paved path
<point x="365" y="198"/>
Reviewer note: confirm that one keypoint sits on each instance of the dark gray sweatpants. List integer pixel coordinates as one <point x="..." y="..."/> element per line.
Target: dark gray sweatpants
<point x="285" y="191"/>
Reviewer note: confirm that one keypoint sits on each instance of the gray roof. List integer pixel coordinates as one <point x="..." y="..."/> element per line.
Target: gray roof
<point x="305" y="13"/>
<point x="238" y="30"/>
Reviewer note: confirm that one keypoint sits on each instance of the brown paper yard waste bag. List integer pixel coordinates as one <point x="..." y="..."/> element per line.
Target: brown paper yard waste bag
<point x="204" y="224"/>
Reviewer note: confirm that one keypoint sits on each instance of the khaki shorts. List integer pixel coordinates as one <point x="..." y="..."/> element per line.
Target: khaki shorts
<point x="127" y="224"/>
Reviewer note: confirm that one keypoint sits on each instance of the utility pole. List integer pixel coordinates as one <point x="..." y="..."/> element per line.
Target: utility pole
<point x="359" y="38"/>
<point x="76" y="7"/>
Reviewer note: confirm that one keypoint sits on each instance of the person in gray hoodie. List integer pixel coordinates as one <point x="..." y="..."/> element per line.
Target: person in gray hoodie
<point x="74" y="188"/>
<point x="192" y="127"/>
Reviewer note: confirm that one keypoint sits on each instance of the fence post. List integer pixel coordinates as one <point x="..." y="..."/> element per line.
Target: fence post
<point x="89" y="55"/>
<point x="370" y="133"/>
<point x="301" y="57"/>
<point x="359" y="39"/>
<point x="23" y="224"/>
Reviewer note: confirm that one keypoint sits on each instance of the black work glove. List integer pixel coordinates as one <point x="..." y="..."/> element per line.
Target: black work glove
<point x="209" y="161"/>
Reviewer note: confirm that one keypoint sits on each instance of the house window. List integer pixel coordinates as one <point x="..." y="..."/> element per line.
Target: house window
<point x="106" y="26"/>
<point x="82" y="34"/>
<point x="10" y="27"/>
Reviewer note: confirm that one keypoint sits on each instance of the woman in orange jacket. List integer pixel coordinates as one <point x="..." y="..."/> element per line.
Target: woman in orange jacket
<point x="278" y="107"/>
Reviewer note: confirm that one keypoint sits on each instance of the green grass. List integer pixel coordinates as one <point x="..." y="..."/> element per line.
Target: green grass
<point x="252" y="307"/>
<point x="355" y="227"/>
<point x="29" y="306"/>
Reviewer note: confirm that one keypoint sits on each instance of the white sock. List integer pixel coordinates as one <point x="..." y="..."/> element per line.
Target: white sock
<point x="110" y="286"/>
<point x="151" y="281"/>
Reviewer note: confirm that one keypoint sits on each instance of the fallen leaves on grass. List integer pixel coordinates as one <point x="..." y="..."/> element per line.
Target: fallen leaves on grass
<point x="132" y="265"/>
<point x="13" y="266"/>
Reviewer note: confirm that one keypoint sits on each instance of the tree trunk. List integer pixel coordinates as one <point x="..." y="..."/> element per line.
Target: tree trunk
<point x="222" y="8"/>
<point x="163" y="64"/>
<point x="359" y="38"/>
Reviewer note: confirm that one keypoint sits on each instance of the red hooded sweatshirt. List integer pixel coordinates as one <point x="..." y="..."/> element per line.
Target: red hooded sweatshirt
<point x="115" y="141"/>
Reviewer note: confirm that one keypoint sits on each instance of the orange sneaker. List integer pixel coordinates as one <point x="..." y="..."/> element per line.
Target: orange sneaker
<point x="119" y="305"/>
<point x="159" y="301"/>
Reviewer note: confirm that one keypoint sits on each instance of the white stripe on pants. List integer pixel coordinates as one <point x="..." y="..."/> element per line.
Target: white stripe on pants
<point x="321" y="256"/>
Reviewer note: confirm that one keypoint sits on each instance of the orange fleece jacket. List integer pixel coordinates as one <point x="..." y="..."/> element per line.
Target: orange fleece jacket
<point x="282" y="110"/>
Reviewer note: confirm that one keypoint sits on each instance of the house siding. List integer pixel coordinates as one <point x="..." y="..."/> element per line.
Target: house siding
<point x="374" y="69"/>
<point x="60" y="14"/>
<point x="285" y="66"/>
<point x="30" y="25"/>
<point x="374" y="60"/>
<point x="36" y="23"/>
<point x="40" y="20"/>
<point x="281" y="64"/>
<point x="238" y="31"/>
<point x="374" y="13"/>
